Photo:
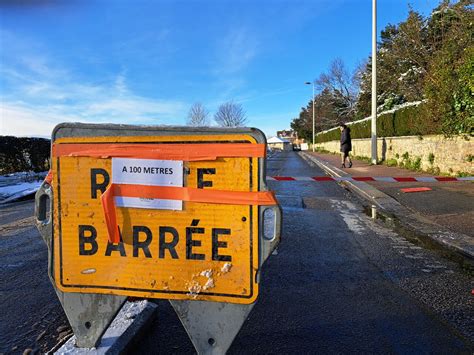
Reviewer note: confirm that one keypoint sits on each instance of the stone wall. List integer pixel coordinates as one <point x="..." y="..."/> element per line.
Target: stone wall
<point x="434" y="154"/>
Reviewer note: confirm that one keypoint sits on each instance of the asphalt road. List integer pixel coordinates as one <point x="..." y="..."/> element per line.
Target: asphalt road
<point x="341" y="283"/>
<point x="31" y="315"/>
<point x="447" y="204"/>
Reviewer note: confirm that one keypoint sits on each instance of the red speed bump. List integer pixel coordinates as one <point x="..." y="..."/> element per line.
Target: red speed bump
<point x="446" y="178"/>
<point x="404" y="179"/>
<point x="283" y="178"/>
<point x="415" y="189"/>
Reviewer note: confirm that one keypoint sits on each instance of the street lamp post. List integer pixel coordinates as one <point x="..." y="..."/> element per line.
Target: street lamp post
<point x="308" y="83"/>
<point x="374" y="83"/>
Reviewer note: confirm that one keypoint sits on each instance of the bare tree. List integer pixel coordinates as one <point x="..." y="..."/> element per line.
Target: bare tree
<point x="198" y="115"/>
<point x="343" y="88"/>
<point x="230" y="114"/>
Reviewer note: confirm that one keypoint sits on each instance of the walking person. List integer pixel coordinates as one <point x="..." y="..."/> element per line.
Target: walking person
<point x="346" y="145"/>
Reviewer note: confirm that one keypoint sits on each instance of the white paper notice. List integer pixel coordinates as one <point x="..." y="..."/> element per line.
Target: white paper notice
<point x="149" y="172"/>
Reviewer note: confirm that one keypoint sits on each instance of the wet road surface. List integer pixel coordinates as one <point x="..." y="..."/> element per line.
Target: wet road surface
<point x="341" y="283"/>
<point x="31" y="315"/>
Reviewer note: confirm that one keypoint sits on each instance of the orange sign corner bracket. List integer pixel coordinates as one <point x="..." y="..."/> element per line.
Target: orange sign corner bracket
<point x="189" y="194"/>
<point x="49" y="177"/>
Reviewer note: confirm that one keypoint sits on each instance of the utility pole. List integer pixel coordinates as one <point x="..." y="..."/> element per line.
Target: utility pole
<point x="374" y="83"/>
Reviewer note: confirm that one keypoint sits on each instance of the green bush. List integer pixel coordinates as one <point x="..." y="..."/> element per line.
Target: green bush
<point x="417" y="164"/>
<point x="322" y="150"/>
<point x="449" y="89"/>
<point x="407" y="121"/>
<point x="411" y="164"/>
<point x="434" y="171"/>
<point x="361" y="158"/>
<point x="391" y="162"/>
<point x="24" y="154"/>
<point x="431" y="158"/>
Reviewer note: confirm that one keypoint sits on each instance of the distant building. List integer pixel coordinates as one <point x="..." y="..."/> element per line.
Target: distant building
<point x="279" y="143"/>
<point x="290" y="135"/>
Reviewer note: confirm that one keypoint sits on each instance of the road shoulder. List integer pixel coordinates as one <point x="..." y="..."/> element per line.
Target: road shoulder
<point x="387" y="205"/>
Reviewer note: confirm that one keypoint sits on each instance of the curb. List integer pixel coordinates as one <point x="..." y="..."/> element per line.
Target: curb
<point x="130" y="323"/>
<point x="457" y="242"/>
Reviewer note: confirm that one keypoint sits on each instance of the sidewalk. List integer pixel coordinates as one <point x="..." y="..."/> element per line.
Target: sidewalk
<point x="449" y="205"/>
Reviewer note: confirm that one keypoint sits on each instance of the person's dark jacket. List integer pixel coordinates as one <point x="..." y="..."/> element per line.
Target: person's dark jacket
<point x="346" y="144"/>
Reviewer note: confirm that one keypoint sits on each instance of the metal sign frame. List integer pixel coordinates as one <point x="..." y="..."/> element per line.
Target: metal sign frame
<point x="90" y="314"/>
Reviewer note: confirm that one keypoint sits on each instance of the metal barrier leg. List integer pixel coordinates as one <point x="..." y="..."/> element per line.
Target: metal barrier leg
<point x="211" y="326"/>
<point x="89" y="314"/>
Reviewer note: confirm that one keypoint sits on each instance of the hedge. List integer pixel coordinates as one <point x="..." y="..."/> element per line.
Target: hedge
<point x="24" y="154"/>
<point x="406" y="121"/>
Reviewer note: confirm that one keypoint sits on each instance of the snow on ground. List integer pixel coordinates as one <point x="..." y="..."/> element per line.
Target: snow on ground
<point x="18" y="185"/>
<point x="109" y="342"/>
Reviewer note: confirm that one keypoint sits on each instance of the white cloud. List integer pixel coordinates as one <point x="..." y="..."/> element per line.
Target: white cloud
<point x="38" y="65"/>
<point x="35" y="98"/>
<point x="33" y="119"/>
<point x="120" y="84"/>
<point x="138" y="108"/>
<point x="235" y="51"/>
<point x="43" y="90"/>
<point x="23" y="119"/>
<point x="20" y="120"/>
<point x="38" y="91"/>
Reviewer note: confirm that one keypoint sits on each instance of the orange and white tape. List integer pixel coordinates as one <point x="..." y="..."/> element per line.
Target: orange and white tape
<point x="372" y="178"/>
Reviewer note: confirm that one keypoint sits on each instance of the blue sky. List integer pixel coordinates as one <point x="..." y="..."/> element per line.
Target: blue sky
<point x="146" y="62"/>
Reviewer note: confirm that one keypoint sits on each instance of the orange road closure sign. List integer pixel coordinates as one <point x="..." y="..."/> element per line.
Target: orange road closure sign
<point x="158" y="216"/>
